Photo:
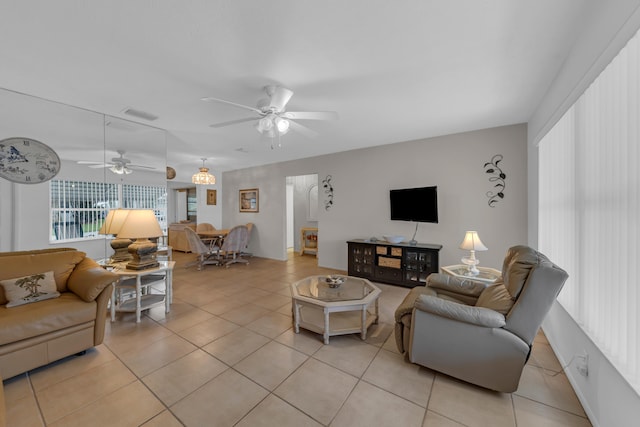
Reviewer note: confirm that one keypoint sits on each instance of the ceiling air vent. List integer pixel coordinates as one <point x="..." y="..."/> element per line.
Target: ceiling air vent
<point x="140" y="114"/>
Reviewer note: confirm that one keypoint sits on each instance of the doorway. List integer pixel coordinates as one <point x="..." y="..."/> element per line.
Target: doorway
<point x="186" y="204"/>
<point x="301" y="209"/>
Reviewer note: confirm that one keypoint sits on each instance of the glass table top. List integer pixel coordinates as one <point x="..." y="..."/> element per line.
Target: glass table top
<point x="317" y="287"/>
<point x="462" y="271"/>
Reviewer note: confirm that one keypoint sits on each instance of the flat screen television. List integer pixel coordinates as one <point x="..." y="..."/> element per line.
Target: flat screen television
<point x="414" y="204"/>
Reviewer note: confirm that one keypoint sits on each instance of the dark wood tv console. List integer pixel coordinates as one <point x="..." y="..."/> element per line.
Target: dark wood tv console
<point x="395" y="263"/>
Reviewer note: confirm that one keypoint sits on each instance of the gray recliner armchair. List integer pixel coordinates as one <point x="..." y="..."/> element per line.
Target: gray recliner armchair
<point x="476" y="332"/>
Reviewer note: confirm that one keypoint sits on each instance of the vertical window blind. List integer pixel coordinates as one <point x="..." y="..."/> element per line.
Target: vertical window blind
<point x="589" y="209"/>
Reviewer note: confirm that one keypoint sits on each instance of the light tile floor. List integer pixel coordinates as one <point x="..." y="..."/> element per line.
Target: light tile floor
<point x="227" y="355"/>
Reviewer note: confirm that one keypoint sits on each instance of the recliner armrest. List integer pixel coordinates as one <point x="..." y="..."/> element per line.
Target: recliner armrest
<point x="479" y="316"/>
<point x="456" y="285"/>
<point x="88" y="279"/>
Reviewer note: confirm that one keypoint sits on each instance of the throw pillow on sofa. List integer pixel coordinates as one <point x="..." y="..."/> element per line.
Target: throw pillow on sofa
<point x="28" y="289"/>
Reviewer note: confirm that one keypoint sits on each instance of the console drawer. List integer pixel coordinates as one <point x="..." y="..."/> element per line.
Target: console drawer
<point x="389" y="262"/>
<point x="389" y="275"/>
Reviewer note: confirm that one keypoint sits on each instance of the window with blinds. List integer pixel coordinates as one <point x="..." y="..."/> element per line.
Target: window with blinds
<point x="78" y="208"/>
<point x="589" y="209"/>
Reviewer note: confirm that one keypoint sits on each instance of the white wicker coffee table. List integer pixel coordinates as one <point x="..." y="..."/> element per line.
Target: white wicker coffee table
<point x="349" y="305"/>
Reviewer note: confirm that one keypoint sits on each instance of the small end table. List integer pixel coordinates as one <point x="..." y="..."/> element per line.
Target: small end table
<point x="486" y="275"/>
<point x="140" y="281"/>
<point x="309" y="240"/>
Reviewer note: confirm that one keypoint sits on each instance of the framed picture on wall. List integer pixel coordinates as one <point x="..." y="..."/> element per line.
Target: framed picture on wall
<point x="211" y="197"/>
<point x="249" y="200"/>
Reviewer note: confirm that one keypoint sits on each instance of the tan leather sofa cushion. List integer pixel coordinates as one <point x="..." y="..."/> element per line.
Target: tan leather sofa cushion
<point x="18" y="264"/>
<point x="89" y="279"/>
<point x="31" y="320"/>
<point x="496" y="298"/>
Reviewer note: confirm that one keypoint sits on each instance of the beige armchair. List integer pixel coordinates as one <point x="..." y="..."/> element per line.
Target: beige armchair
<point x="476" y="332"/>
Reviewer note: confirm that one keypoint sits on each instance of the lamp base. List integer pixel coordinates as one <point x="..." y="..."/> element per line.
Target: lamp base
<point x="143" y="252"/>
<point x="471" y="263"/>
<point x="120" y="248"/>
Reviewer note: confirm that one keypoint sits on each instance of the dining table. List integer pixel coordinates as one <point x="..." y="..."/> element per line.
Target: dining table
<point x="213" y="237"/>
<point x="213" y="233"/>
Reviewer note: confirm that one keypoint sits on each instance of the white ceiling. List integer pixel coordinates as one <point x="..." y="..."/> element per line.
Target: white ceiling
<point x="393" y="70"/>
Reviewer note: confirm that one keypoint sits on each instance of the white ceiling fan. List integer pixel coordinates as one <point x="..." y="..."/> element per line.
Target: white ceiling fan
<point x="118" y="165"/>
<point x="272" y="118"/>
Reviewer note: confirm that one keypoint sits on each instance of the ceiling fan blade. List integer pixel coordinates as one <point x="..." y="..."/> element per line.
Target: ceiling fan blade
<point x="280" y="97"/>
<point x="246" y="107"/>
<point x="311" y="115"/>
<point x="139" y="167"/>
<point x="101" y="165"/>
<point x="86" y="162"/>
<point x="233" y="122"/>
<point x="303" y="130"/>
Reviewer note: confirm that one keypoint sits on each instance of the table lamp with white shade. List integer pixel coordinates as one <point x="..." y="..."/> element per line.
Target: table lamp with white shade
<point x="141" y="224"/>
<point x="472" y="243"/>
<point x="112" y="225"/>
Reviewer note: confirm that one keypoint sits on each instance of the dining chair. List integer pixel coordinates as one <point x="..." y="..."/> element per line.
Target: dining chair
<point x="205" y="253"/>
<point x="233" y="245"/>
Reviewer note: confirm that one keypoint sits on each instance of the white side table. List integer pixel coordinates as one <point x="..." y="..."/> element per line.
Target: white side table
<point x="486" y="275"/>
<point x="140" y="281"/>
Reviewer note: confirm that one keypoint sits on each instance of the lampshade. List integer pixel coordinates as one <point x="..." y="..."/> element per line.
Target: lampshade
<point x="472" y="242"/>
<point x="203" y="177"/>
<point x="112" y="225"/>
<point x="140" y="224"/>
<point x="113" y="222"/>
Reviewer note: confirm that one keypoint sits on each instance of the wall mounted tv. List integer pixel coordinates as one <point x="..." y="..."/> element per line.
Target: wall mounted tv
<point x="414" y="204"/>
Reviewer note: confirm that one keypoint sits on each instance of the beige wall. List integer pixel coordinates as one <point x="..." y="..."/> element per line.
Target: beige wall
<point x="362" y="180"/>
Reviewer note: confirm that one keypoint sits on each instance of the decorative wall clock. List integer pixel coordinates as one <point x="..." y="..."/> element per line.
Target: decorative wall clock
<point x="27" y="161"/>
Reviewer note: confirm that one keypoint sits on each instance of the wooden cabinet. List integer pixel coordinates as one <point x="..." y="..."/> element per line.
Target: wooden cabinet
<point x="398" y="264"/>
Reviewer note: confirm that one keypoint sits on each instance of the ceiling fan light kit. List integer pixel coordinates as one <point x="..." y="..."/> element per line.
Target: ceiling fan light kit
<point x="270" y="124"/>
<point x="203" y="177"/>
<point x="120" y="169"/>
<point x="273" y="119"/>
<point x="282" y="125"/>
<point x="265" y="124"/>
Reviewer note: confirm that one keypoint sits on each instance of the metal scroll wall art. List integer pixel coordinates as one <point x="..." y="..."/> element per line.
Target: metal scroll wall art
<point x="328" y="190"/>
<point x="498" y="178"/>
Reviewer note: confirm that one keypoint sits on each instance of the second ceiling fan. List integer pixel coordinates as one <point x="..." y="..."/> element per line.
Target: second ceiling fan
<point x="118" y="165"/>
<point x="272" y="118"/>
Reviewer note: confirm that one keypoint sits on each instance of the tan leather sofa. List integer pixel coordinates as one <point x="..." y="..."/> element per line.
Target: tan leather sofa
<point x="39" y="333"/>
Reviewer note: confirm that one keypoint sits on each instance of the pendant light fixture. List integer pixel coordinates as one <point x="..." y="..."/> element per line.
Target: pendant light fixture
<point x="203" y="177"/>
